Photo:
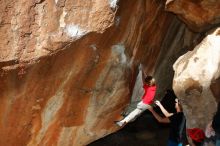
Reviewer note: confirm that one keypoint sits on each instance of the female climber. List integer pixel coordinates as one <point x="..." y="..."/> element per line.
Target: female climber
<point x="149" y="86"/>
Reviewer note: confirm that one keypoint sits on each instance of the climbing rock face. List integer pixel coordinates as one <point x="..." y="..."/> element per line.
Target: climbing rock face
<point x="68" y="66"/>
<point x="34" y="28"/>
<point x="194" y="73"/>
<point x="199" y="15"/>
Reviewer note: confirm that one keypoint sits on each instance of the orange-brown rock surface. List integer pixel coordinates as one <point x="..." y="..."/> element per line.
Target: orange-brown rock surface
<point x="199" y="15"/>
<point x="32" y="29"/>
<point x="67" y="67"/>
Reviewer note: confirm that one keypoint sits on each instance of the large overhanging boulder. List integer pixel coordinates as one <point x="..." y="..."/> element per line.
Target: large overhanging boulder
<point x="194" y="73"/>
<point x="199" y="15"/>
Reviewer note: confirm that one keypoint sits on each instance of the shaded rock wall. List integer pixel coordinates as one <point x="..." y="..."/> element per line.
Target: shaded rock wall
<point x="178" y="40"/>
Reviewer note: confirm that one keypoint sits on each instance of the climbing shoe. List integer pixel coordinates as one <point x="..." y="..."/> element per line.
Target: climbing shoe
<point x="119" y="123"/>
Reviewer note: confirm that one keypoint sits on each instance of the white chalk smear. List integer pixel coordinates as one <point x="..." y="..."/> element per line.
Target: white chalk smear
<point x="113" y="3"/>
<point x="74" y="31"/>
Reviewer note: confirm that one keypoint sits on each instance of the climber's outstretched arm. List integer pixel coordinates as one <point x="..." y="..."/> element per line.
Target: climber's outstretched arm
<point x="143" y="72"/>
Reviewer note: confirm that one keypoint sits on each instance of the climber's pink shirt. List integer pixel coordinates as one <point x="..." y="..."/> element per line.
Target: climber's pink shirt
<point x="149" y="93"/>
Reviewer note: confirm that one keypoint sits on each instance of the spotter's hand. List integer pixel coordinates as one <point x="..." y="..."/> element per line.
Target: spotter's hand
<point x="157" y="102"/>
